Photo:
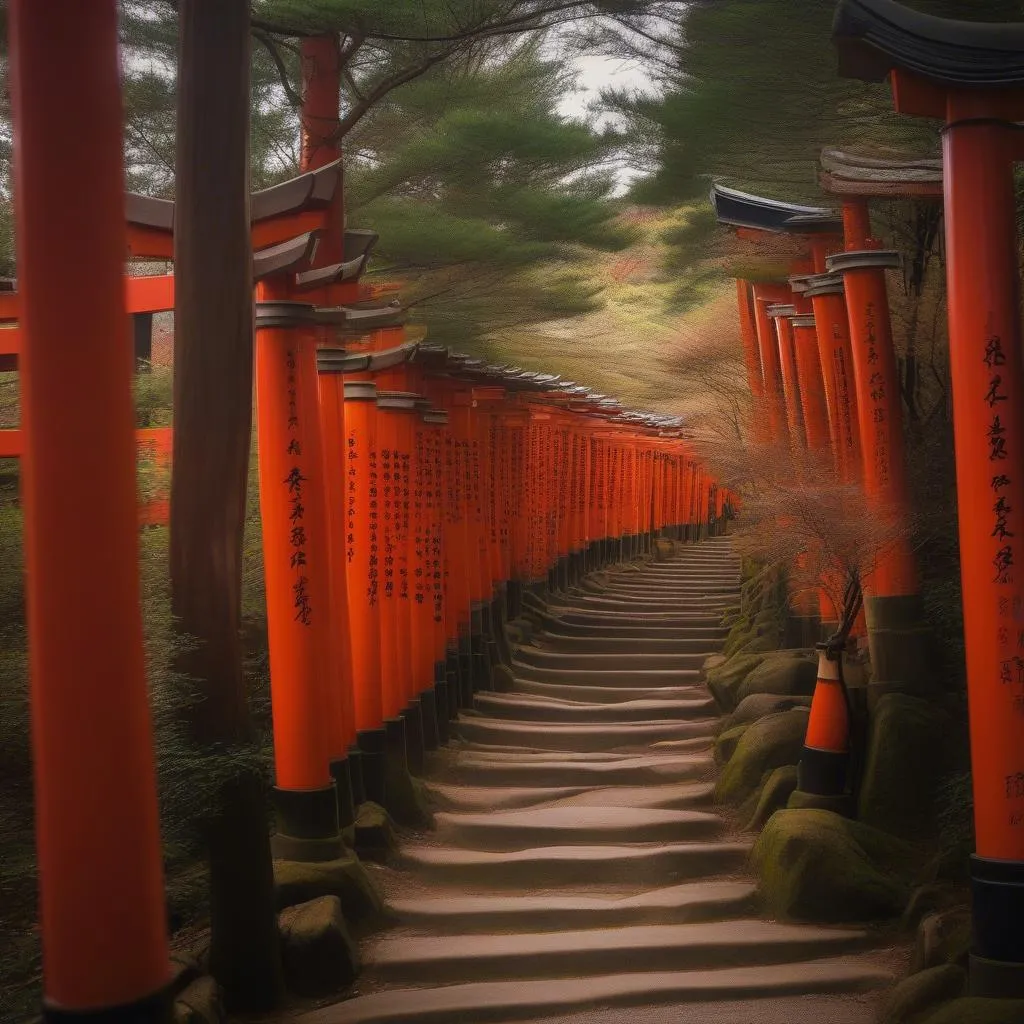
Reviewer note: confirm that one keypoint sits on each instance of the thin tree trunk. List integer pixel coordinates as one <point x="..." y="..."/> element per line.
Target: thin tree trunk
<point x="213" y="379"/>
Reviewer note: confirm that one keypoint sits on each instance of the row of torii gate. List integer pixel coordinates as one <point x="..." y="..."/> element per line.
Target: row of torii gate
<point x="85" y="632"/>
<point x="408" y="496"/>
<point x="822" y="371"/>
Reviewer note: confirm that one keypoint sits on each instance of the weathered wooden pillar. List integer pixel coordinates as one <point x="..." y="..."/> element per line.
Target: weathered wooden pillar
<point x="97" y="830"/>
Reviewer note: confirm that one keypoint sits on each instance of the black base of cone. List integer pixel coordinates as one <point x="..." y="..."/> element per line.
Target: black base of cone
<point x="822" y="772"/>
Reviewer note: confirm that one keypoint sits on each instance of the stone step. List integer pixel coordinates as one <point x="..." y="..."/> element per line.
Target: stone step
<point x="695" y="690"/>
<point x="660" y="591"/>
<point x="548" y="866"/>
<point x="531" y="707"/>
<point x="583" y="737"/>
<point x="675" y="904"/>
<point x="555" y="771"/>
<point x="582" y="631"/>
<point x="646" y="678"/>
<point x="500" y="798"/>
<point x="653" y="947"/>
<point x="506" y="1001"/>
<point x="636" y="607"/>
<point x="546" y="658"/>
<point x="630" y="620"/>
<point x="688" y="582"/>
<point x="565" y="825"/>
<point x="682" y="642"/>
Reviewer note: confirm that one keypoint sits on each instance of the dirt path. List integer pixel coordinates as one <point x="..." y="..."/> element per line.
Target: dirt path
<point x="579" y="867"/>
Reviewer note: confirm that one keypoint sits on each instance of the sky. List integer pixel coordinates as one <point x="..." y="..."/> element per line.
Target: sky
<point x="594" y="74"/>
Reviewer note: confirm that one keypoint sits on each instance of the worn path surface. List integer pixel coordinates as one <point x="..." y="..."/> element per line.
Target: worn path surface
<point x="578" y="866"/>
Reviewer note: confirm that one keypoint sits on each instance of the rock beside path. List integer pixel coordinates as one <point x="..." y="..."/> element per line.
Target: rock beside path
<point x="814" y="865"/>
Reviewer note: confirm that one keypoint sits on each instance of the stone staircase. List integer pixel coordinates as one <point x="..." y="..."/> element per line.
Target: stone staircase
<point x="578" y="866"/>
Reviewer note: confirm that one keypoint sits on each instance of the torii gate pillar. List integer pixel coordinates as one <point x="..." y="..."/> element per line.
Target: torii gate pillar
<point x="102" y="914"/>
<point x="980" y="145"/>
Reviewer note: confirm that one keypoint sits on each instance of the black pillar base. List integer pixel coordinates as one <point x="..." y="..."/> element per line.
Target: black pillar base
<point x="827" y="628"/>
<point x="514" y="598"/>
<point x="481" y="665"/>
<point x="801" y="630"/>
<point x="442" y="702"/>
<point x="341" y="772"/>
<point x="428" y="703"/>
<point x="451" y="673"/>
<point x="822" y="772"/>
<point x="414" y="740"/>
<point x="465" y="670"/>
<point x="355" y="773"/>
<point x="396" y="757"/>
<point x="996" y="962"/>
<point x="371" y="744"/>
<point x="157" y="1008"/>
<point x="307" y="824"/>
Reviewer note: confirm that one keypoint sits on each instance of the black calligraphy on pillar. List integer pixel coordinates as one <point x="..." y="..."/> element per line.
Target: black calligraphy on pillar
<point x="997" y="436"/>
<point x="296" y="510"/>
<point x="373" y="513"/>
<point x="351" y="475"/>
<point x="403" y="516"/>
<point x="388" y="510"/>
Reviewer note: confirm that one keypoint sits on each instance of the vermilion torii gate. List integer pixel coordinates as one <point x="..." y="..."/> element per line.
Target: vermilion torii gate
<point x="892" y="599"/>
<point x="971" y="76"/>
<point x="822" y="357"/>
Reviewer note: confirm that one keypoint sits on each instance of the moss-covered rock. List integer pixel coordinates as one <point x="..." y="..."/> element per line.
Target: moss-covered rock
<point x="921" y="991"/>
<point x="317" y="951"/>
<point x="929" y="899"/>
<point x="372" y="834"/>
<point x="772" y="797"/>
<point x="769" y="743"/>
<point x="711" y="662"/>
<point x="760" y="705"/>
<point x="974" y="1010"/>
<point x="942" y="937"/>
<point x="726" y="741"/>
<point x="200" y="1003"/>
<point x="731" y="615"/>
<point x="907" y="757"/>
<point x="761" y="643"/>
<point x="787" y="674"/>
<point x="725" y="679"/>
<point x="739" y="633"/>
<point x="406" y="799"/>
<point x="814" y="865"/>
<point x="346" y="878"/>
